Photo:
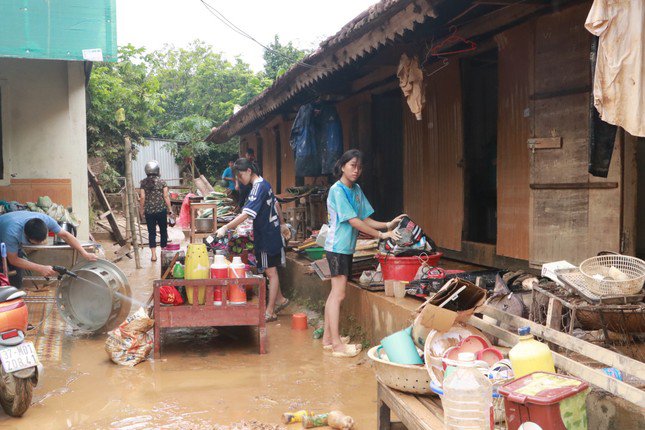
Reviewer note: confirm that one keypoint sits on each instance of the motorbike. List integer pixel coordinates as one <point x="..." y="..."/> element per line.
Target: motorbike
<point x="19" y="364"/>
<point x="19" y="370"/>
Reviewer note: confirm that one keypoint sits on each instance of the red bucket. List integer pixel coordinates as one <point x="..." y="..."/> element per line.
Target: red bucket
<point x="405" y="268"/>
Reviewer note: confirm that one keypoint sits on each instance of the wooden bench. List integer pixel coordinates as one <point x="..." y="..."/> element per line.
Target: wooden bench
<point x="208" y="314"/>
<point x="415" y="412"/>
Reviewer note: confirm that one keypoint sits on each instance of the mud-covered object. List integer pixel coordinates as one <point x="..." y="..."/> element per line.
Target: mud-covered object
<point x="504" y="299"/>
<point x="131" y="342"/>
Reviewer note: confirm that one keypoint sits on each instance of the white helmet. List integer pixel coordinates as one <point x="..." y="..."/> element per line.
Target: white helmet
<point x="152" y="168"/>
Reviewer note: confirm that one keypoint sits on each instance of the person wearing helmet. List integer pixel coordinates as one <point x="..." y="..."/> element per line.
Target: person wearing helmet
<point x="155" y="206"/>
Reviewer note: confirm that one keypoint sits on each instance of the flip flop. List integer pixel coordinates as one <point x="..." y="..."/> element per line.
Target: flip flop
<point x="270" y="318"/>
<point x="282" y="305"/>
<point x="343" y="339"/>
<point x="350" y="351"/>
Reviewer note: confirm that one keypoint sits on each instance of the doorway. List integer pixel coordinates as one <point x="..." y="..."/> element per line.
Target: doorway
<point x="480" y="94"/>
<point x="640" y="205"/>
<point x="386" y="194"/>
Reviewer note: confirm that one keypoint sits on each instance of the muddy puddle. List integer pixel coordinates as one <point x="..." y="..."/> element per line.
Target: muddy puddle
<point x="206" y="378"/>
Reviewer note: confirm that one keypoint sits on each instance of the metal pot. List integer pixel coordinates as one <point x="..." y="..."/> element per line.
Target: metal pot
<point x="98" y="300"/>
<point x="204" y="225"/>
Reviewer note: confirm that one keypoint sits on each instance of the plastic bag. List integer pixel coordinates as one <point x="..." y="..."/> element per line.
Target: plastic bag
<point x="131" y="342"/>
<point x="170" y="296"/>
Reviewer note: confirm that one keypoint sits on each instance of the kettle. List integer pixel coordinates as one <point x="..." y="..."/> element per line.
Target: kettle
<point x="68" y="227"/>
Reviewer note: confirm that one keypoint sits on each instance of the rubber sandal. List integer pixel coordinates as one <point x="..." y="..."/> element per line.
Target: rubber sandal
<point x="349" y="351"/>
<point x="270" y="317"/>
<point x="343" y="339"/>
<point x="282" y="305"/>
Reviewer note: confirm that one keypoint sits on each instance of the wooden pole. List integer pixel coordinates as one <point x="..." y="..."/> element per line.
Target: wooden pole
<point x="130" y="199"/>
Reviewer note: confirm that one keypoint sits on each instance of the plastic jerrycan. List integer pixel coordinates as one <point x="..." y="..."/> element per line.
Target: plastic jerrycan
<point x="219" y="270"/>
<point x="196" y="268"/>
<point x="236" y="292"/>
<point x="467" y="397"/>
<point x="529" y="355"/>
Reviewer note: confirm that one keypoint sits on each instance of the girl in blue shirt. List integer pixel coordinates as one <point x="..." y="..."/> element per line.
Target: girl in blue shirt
<point x="349" y="212"/>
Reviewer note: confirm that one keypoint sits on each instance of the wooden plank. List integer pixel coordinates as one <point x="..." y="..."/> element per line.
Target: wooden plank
<point x="602" y="355"/>
<point x="554" y="318"/>
<point x="105" y="214"/>
<point x="593" y="376"/>
<point x="576" y="186"/>
<point x="100" y="196"/>
<point x="536" y="143"/>
<point x="409" y="409"/>
<point x="516" y="56"/>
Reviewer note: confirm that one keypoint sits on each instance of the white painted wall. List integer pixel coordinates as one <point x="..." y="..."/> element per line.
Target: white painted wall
<point x="44" y="125"/>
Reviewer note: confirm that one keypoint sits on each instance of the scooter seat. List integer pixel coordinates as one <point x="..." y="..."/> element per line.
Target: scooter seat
<point x="10" y="293"/>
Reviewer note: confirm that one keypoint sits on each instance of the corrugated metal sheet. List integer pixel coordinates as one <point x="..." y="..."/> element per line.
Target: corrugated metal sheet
<point x="58" y="30"/>
<point x="445" y="195"/>
<point x="516" y="54"/>
<point x="156" y="150"/>
<point x="433" y="150"/>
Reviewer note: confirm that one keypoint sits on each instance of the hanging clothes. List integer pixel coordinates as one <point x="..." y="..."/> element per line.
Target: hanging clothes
<point x="329" y="135"/>
<point x="601" y="134"/>
<point x="618" y="88"/>
<point x="411" y="82"/>
<point x="303" y="143"/>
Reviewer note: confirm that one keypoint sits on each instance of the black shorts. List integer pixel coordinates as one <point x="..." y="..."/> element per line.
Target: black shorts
<point x="340" y="264"/>
<point x="266" y="261"/>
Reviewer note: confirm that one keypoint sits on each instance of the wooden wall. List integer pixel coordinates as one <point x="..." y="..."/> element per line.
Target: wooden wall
<point x="571" y="224"/>
<point x="514" y="127"/>
<point x="433" y="152"/>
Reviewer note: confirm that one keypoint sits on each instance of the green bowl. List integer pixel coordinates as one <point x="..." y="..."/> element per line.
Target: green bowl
<point x="315" y="253"/>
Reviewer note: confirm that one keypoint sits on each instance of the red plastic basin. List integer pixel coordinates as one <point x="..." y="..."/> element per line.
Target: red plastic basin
<point x="405" y="268"/>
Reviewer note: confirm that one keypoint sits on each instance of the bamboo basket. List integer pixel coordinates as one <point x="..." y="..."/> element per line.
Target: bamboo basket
<point x="413" y="379"/>
<point x="601" y="272"/>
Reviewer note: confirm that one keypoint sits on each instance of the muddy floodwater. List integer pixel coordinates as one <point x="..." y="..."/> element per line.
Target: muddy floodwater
<point x="205" y="379"/>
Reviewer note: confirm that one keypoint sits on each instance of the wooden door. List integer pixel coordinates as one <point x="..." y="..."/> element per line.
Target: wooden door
<point x="573" y="214"/>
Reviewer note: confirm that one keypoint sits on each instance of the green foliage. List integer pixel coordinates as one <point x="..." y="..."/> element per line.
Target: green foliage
<point x="174" y="93"/>
<point x="279" y="58"/>
<point x="114" y="86"/>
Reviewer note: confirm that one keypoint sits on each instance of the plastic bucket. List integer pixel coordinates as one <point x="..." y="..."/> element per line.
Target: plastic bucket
<point x="400" y="348"/>
<point x="299" y="321"/>
<point x="405" y="268"/>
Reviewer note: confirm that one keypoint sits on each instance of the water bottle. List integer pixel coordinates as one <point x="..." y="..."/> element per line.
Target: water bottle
<point x="467" y="397"/>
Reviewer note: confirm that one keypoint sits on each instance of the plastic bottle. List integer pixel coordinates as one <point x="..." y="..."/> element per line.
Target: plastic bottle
<point x="529" y="355"/>
<point x="467" y="397"/>
<point x="219" y="270"/>
<point x="237" y="269"/>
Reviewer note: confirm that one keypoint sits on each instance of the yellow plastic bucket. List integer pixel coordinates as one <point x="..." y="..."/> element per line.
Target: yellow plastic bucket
<point x="196" y="268"/>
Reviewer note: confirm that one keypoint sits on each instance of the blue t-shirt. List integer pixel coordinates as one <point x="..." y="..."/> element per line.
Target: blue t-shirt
<point x="343" y="204"/>
<point x="12" y="228"/>
<point x="261" y="207"/>
<point x="228" y="173"/>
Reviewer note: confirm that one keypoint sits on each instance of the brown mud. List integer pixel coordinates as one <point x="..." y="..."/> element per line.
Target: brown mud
<point x="206" y="378"/>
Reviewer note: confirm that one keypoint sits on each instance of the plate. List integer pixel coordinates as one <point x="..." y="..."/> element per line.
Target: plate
<point x="19" y="357"/>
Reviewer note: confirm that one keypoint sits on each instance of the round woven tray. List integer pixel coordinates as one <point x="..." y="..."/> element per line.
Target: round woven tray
<point x="408" y="378"/>
<point x="613" y="275"/>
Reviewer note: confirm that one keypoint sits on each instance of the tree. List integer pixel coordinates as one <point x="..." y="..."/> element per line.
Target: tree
<point x="279" y="58"/>
<point x="122" y="86"/>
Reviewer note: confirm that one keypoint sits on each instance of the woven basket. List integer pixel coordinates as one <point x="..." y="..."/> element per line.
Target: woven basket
<point x="609" y="267"/>
<point x="408" y="378"/>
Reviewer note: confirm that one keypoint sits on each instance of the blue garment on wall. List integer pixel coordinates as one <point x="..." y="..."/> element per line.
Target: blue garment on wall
<point x="329" y="134"/>
<point x="304" y="145"/>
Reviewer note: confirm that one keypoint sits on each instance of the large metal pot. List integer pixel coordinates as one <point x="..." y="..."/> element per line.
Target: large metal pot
<point x="98" y="300"/>
<point x="204" y="225"/>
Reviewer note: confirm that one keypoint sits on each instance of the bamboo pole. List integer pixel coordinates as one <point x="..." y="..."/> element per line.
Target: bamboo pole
<point x="130" y="199"/>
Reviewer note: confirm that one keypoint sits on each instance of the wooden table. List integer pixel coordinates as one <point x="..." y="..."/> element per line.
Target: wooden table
<point x="209" y="315"/>
<point x="415" y="412"/>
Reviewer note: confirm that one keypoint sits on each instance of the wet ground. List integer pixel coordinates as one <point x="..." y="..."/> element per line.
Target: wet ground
<point x="205" y="379"/>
